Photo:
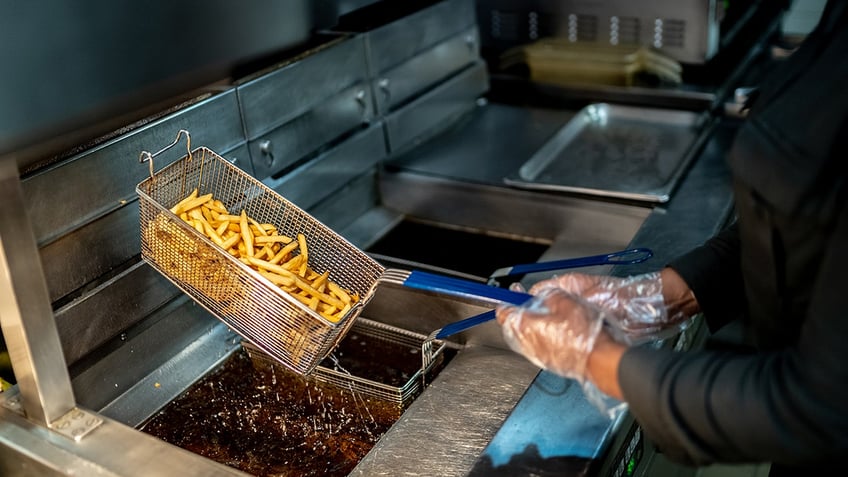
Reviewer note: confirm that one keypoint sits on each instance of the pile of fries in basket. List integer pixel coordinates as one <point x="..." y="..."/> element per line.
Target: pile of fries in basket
<point x="282" y="260"/>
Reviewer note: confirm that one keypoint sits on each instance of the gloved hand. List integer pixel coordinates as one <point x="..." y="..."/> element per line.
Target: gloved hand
<point x="554" y="330"/>
<point x="634" y="306"/>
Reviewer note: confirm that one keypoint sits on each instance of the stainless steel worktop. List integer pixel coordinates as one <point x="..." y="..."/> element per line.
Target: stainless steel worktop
<point x="552" y="428"/>
<point x="497" y="139"/>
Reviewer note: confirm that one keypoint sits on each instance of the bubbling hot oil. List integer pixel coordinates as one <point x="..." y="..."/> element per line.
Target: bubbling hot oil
<point x="266" y="421"/>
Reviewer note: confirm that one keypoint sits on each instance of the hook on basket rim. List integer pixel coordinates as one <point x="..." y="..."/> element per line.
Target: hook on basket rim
<point x="147" y="156"/>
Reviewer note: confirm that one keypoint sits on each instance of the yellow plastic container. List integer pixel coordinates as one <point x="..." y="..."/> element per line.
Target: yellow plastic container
<point x="559" y="61"/>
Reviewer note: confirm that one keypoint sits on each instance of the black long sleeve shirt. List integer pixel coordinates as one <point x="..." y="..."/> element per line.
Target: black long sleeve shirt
<point x="780" y="269"/>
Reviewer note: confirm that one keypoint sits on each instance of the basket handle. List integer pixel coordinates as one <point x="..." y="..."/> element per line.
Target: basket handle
<point x="146" y="156"/>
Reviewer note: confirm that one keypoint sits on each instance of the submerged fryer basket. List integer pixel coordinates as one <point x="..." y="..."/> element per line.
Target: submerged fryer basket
<point x="400" y="395"/>
<point x="247" y="302"/>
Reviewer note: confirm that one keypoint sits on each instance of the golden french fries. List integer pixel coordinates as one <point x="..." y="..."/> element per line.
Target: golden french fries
<point x="282" y="260"/>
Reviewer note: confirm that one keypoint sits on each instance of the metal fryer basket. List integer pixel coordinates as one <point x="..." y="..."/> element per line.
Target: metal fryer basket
<point x="400" y="395"/>
<point x="252" y="306"/>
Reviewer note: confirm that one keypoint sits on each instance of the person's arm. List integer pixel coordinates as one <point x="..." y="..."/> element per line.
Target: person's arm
<point x="712" y="273"/>
<point x="679" y="298"/>
<point x="603" y="363"/>
<point x="785" y="406"/>
<point x="604" y="360"/>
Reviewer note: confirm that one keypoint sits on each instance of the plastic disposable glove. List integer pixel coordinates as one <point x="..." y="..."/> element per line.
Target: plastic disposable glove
<point x="634" y="306"/>
<point x="554" y="330"/>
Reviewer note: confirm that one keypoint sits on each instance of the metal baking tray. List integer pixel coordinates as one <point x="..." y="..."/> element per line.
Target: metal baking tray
<point x="617" y="151"/>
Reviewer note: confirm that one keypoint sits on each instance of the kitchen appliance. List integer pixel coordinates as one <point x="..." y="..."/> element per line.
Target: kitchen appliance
<point x="100" y="340"/>
<point x="690" y="31"/>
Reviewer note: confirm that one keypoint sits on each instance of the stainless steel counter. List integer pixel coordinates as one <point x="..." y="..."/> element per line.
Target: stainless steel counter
<point x="553" y="429"/>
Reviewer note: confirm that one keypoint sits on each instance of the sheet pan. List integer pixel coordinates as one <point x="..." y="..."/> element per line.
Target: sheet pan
<point x="618" y="151"/>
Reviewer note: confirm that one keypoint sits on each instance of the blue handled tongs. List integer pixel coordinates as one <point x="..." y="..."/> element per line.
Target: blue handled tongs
<point x="623" y="257"/>
<point x="466" y="288"/>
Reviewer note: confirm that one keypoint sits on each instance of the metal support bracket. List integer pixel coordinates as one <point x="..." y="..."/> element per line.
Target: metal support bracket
<point x="26" y="315"/>
<point x="76" y="424"/>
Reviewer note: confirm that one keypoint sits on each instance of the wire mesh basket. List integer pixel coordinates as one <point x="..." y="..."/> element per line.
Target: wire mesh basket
<point x="405" y="346"/>
<point x="255" y="308"/>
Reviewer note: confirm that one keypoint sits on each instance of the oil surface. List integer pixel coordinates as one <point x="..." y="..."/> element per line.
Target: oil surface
<point x="474" y="253"/>
<point x="268" y="421"/>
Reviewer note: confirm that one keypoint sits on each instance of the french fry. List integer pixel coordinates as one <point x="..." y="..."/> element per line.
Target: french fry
<point x="338" y="292"/>
<point x="277" y="279"/>
<point x="273" y="239"/>
<point x="198" y="225"/>
<point x="283" y="253"/>
<point x="293" y="263"/>
<point x="231" y="241"/>
<point x="257" y="227"/>
<point x="321" y="281"/>
<point x="207" y="213"/>
<point x="190" y="204"/>
<point x="222" y="228"/>
<point x="270" y="267"/>
<point x="301" y="240"/>
<point x="180" y="206"/>
<point x="268" y="251"/>
<point x="212" y="234"/>
<point x="246" y="234"/>
<point x="217" y="206"/>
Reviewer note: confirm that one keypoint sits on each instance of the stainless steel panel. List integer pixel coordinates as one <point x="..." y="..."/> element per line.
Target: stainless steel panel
<point x="239" y="157"/>
<point x="323" y="176"/>
<point x="529" y="425"/>
<point x="276" y="150"/>
<point x="349" y="203"/>
<point x="397" y="85"/>
<point x="478" y="150"/>
<point x="112" y="307"/>
<point x="155" y="390"/>
<point x="511" y="212"/>
<point x="290" y="91"/>
<point x="392" y="44"/>
<point x="178" y="326"/>
<point x="437" y="109"/>
<point x="96" y="182"/>
<point x="371" y="225"/>
<point x="96" y="248"/>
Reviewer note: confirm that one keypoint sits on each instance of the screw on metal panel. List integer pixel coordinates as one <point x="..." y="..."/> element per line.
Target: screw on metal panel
<point x="471" y="42"/>
<point x="267" y="149"/>
<point x="360" y="98"/>
<point x="383" y="84"/>
<point x="13" y="401"/>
